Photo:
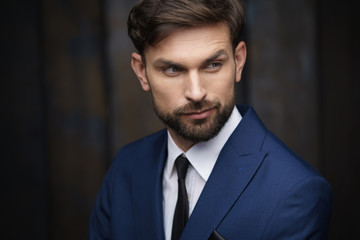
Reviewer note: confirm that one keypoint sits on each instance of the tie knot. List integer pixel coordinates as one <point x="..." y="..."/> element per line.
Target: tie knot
<point x="182" y="165"/>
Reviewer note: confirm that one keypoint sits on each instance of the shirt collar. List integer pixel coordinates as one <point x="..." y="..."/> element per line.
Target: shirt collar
<point x="203" y="155"/>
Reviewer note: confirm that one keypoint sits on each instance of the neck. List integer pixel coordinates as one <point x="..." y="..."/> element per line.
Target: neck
<point x="181" y="142"/>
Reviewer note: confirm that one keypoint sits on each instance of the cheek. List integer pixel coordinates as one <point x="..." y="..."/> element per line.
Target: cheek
<point x="165" y="96"/>
<point x="223" y="85"/>
<point x="166" y="93"/>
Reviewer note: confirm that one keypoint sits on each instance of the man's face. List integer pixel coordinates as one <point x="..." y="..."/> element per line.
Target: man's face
<point x="192" y="75"/>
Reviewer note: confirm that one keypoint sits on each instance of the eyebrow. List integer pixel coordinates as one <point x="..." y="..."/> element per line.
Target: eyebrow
<point x="165" y="62"/>
<point x="216" y="55"/>
<point x="161" y="62"/>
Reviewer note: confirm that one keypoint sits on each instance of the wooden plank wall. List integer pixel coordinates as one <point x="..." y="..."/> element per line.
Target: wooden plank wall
<point x="283" y="71"/>
<point x="339" y="51"/>
<point x="76" y="111"/>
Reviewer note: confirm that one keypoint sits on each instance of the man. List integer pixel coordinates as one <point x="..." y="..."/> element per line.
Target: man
<point x="216" y="172"/>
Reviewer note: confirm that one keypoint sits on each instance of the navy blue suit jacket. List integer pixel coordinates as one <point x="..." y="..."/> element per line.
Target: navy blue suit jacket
<point x="258" y="189"/>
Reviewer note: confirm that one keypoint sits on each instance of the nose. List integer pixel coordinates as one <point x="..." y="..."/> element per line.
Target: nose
<point x="194" y="91"/>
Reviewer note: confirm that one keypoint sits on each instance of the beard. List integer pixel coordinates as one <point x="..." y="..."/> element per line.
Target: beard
<point x="197" y="130"/>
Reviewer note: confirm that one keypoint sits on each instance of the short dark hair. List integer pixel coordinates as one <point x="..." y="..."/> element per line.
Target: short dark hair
<point x="150" y="21"/>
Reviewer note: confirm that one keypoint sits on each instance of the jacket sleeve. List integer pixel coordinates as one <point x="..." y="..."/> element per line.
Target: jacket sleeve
<point x="303" y="213"/>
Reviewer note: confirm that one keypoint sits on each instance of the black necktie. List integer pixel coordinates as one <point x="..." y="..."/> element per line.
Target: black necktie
<point x="182" y="206"/>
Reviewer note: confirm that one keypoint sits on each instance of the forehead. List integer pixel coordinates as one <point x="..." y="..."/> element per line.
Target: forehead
<point x="191" y="43"/>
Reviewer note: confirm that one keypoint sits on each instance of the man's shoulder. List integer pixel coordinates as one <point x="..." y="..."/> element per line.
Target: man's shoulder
<point x="287" y="168"/>
<point x="145" y="143"/>
<point x="282" y="156"/>
<point x="142" y="149"/>
<point x="279" y="157"/>
<point x="283" y="169"/>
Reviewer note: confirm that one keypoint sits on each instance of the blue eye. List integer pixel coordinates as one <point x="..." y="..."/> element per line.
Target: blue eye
<point x="172" y="70"/>
<point x="213" y="67"/>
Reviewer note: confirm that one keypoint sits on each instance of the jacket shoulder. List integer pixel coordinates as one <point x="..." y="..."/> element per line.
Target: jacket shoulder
<point x="285" y="160"/>
<point x="139" y="150"/>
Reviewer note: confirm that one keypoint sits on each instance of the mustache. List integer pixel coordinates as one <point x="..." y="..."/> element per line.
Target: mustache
<point x="196" y="106"/>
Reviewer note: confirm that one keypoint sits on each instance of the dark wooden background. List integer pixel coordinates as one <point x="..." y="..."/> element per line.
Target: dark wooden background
<point x="69" y="100"/>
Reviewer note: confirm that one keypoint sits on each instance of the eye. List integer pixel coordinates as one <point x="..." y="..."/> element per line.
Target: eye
<point x="172" y="71"/>
<point x="213" y="67"/>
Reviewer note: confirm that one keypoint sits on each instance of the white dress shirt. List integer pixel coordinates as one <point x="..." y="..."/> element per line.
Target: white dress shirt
<point x="202" y="157"/>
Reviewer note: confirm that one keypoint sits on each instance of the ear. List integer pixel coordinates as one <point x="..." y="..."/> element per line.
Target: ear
<point x="240" y="58"/>
<point x="138" y="66"/>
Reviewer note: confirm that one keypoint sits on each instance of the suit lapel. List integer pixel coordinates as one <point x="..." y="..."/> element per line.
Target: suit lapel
<point x="147" y="190"/>
<point x="237" y="164"/>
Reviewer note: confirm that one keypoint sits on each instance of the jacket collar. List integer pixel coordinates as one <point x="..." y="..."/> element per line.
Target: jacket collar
<point x="234" y="169"/>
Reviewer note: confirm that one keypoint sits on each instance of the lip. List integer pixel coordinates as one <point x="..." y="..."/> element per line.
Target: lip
<point x="200" y="115"/>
